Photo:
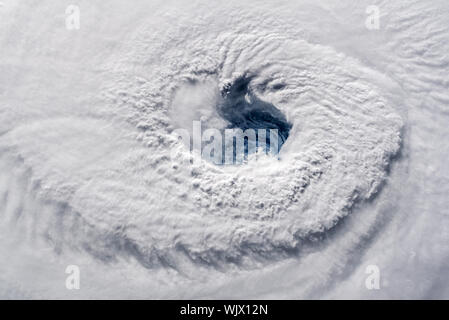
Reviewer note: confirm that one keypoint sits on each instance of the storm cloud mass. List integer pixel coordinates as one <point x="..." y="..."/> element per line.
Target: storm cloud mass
<point x="92" y="173"/>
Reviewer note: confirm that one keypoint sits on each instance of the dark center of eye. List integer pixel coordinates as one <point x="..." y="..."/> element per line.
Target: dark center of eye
<point x="243" y="110"/>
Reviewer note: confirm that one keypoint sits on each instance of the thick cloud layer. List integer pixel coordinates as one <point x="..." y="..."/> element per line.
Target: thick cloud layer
<point x="94" y="175"/>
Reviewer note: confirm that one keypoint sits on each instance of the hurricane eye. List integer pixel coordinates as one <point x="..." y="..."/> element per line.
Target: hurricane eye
<point x="242" y="109"/>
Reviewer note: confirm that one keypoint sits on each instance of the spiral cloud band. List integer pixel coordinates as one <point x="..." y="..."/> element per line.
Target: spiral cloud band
<point x="94" y="172"/>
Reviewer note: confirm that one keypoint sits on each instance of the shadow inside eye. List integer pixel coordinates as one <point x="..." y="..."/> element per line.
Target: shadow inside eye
<point x="243" y="110"/>
<point x="278" y="86"/>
